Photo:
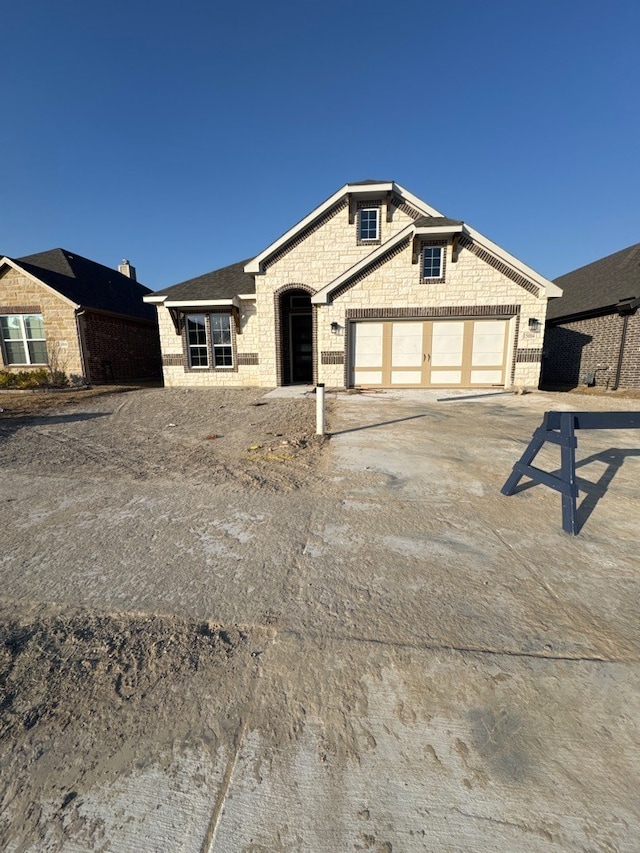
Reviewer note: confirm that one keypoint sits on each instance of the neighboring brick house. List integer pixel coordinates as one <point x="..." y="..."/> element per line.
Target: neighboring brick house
<point x="62" y="310"/>
<point x="593" y="331"/>
<point x="374" y="288"/>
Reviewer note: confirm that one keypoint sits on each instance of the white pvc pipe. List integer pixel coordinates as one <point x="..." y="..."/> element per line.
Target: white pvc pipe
<point x="320" y="408"/>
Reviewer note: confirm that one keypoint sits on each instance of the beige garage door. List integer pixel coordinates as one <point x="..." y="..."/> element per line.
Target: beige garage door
<point x="426" y="353"/>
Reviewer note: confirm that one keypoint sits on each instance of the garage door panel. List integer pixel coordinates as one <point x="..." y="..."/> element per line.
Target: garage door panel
<point x="368" y="346"/>
<point x="446" y="377"/>
<point x="368" y="377"/>
<point x="406" y="344"/>
<point x="406" y="377"/>
<point x="447" y="344"/>
<point x="486" y="377"/>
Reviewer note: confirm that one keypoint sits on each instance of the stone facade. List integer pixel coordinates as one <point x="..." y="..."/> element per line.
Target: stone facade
<point x="475" y="284"/>
<point x="115" y="348"/>
<point x="19" y="292"/>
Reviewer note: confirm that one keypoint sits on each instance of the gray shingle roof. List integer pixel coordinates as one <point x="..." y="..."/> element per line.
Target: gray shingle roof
<point x="224" y="283"/>
<point x="367" y="182"/>
<point x="88" y="283"/>
<point x="599" y="285"/>
<point x="436" y="221"/>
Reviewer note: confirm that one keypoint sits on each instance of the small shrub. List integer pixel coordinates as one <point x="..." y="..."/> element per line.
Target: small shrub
<point x="25" y="380"/>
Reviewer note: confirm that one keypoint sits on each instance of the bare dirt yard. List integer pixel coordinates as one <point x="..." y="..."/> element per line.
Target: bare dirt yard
<point x="221" y="633"/>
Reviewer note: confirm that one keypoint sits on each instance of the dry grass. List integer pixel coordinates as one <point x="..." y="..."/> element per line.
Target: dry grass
<point x="21" y="403"/>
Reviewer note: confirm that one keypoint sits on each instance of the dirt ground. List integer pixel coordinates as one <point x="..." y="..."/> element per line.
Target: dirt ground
<point x="221" y="633"/>
<point x="235" y="436"/>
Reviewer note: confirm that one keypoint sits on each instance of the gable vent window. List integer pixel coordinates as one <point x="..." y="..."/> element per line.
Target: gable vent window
<point x="432" y="262"/>
<point x="369" y="224"/>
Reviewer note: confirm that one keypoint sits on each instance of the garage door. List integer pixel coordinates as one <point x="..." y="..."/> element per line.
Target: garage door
<point x="426" y="353"/>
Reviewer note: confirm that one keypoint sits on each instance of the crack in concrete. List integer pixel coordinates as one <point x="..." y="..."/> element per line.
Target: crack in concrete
<point x="446" y="647"/>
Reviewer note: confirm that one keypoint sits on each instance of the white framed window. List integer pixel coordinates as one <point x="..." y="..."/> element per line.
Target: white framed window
<point x="432" y="262"/>
<point x="197" y="340"/>
<point x="23" y="340"/>
<point x="221" y="340"/>
<point x="369" y="224"/>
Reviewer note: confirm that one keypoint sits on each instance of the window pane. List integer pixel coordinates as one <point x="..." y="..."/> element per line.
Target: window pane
<point x="11" y="328"/>
<point x="223" y="357"/>
<point x="34" y="326"/>
<point x="199" y="357"/>
<point x="432" y="262"/>
<point x="221" y="329"/>
<point x="38" y="352"/>
<point x="15" y="352"/>
<point x="368" y="224"/>
<point x="196" y="330"/>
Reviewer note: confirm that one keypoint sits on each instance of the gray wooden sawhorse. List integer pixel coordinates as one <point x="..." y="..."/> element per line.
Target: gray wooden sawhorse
<point x="560" y="428"/>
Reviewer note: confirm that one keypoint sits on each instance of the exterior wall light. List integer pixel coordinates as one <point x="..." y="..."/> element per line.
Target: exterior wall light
<point x="335" y="327"/>
<point x="534" y="324"/>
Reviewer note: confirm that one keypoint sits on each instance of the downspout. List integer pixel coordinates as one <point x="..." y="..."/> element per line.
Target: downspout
<point x="623" y="340"/>
<point x="625" y="308"/>
<point x="81" y="343"/>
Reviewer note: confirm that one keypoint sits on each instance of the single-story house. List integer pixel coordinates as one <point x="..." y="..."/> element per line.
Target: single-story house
<point x="61" y="310"/>
<point x="373" y="288"/>
<point x="593" y="332"/>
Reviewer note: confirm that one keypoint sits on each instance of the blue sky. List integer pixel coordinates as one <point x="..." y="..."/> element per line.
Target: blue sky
<point x="187" y="136"/>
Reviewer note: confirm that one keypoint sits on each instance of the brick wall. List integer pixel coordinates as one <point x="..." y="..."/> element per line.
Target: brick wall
<point x="583" y="346"/>
<point x="119" y="349"/>
<point x="630" y="373"/>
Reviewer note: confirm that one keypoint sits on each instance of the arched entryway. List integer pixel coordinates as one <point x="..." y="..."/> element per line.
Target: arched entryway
<point x="296" y="337"/>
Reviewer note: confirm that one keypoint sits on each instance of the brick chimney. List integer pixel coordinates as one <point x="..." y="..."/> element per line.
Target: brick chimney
<point x="126" y="269"/>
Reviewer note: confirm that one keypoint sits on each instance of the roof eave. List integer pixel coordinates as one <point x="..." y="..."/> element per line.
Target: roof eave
<point x="199" y="303"/>
<point x="424" y="230"/>
<point x="549" y="287"/>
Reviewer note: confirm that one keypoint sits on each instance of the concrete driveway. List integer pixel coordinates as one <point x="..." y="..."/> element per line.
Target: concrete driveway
<point x="446" y="670"/>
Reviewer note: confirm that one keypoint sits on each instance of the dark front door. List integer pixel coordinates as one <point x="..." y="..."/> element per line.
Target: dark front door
<point x="301" y="332"/>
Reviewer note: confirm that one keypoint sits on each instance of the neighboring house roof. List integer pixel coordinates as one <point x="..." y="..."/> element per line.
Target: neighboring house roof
<point x="87" y="284"/>
<point x="221" y="284"/>
<point x="598" y="287"/>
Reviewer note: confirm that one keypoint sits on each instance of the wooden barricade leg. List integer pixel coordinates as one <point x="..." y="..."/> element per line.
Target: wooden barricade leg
<point x="568" y="475"/>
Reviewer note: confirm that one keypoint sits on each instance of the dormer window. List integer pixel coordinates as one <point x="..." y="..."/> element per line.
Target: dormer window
<point x="368" y="224"/>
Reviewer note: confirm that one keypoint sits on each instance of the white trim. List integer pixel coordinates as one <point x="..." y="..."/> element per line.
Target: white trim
<point x="152" y="299"/>
<point x="416" y="202"/>
<point x="255" y="266"/>
<point x="34" y="278"/>
<point x="425" y="231"/>
<point x="197" y="303"/>
<point x="377" y="211"/>
<point x="550" y="288"/>
<point x="247" y="297"/>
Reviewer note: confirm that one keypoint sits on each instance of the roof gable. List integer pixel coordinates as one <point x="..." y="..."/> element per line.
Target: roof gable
<point x="362" y="189"/>
<point x="599" y="286"/>
<point x="86" y="283"/>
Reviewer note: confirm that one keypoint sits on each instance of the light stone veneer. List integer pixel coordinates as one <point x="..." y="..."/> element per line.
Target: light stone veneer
<point x="58" y="315"/>
<point x="326" y="253"/>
